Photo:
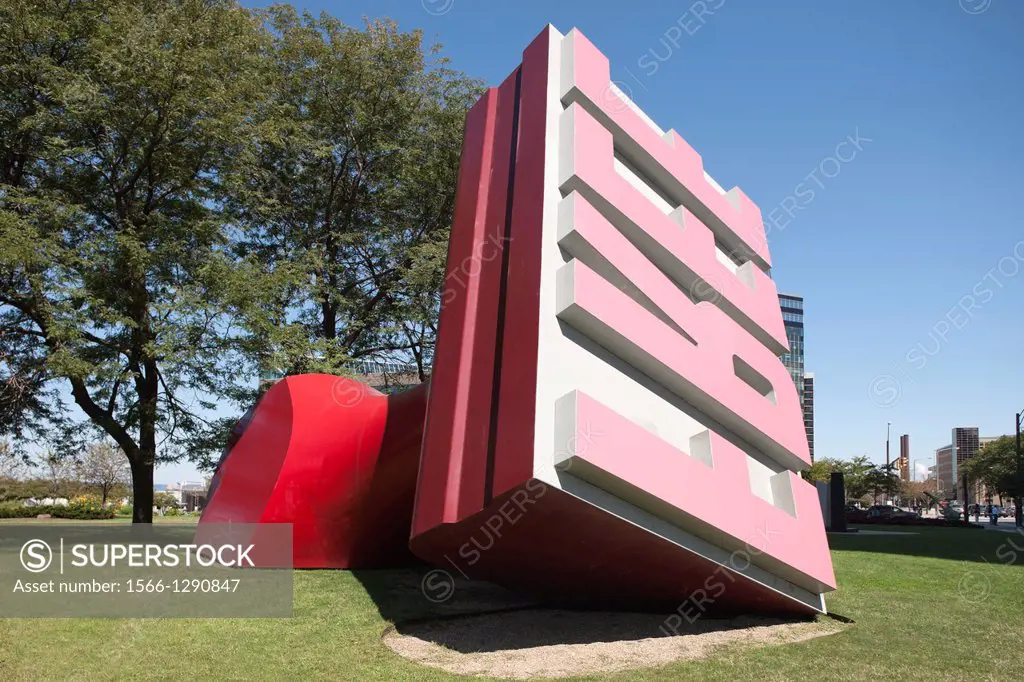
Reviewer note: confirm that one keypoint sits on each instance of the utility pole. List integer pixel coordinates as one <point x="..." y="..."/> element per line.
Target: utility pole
<point x="888" y="428"/>
<point x="1020" y="477"/>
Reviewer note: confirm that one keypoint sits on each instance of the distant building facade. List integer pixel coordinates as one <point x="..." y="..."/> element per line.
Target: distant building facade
<point x="949" y="460"/>
<point x="944" y="479"/>
<point x="385" y="376"/>
<point x="793" y="319"/>
<point x="965" y="443"/>
<point x="904" y="462"/>
<point x="190" y="495"/>
<point x="808" y="404"/>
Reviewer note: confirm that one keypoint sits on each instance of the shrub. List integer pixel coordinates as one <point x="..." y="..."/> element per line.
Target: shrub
<point x="84" y="509"/>
<point x="172" y="511"/>
<point x="81" y="510"/>
<point x="124" y="510"/>
<point x="16" y="510"/>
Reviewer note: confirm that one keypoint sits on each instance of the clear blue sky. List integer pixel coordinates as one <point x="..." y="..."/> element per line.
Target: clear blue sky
<point x="924" y="214"/>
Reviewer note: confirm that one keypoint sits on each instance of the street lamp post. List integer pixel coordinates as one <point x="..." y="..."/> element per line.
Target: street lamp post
<point x="888" y="428"/>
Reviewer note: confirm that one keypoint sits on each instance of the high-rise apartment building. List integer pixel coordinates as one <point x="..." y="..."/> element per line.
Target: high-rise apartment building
<point x="793" y="319"/>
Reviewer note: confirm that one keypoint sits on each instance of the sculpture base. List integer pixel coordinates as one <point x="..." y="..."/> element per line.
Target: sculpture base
<point x="546" y="542"/>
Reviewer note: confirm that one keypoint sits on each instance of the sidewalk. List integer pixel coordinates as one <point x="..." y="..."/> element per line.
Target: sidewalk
<point x="1005" y="527"/>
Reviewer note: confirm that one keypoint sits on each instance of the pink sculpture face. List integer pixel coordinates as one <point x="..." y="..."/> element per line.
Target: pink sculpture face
<point x="574" y="356"/>
<point x="593" y="433"/>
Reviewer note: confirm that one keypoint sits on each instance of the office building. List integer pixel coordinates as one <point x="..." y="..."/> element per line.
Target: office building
<point x="965" y="443"/>
<point x="808" y="405"/>
<point x="950" y="458"/>
<point x="944" y="471"/>
<point x="793" y="319"/>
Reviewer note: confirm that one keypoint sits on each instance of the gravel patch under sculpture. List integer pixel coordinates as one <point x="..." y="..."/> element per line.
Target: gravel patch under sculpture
<point x="537" y="643"/>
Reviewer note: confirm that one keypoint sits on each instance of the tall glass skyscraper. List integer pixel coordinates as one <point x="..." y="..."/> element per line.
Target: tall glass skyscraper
<point x="793" y="319"/>
<point x="808" y="403"/>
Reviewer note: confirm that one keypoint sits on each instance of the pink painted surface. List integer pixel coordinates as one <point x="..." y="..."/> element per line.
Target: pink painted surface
<point x="709" y="365"/>
<point x="680" y="238"/>
<point x="574" y="547"/>
<point x="703" y="374"/>
<point x="643" y="460"/>
<point x="344" y="472"/>
<point x="590" y="75"/>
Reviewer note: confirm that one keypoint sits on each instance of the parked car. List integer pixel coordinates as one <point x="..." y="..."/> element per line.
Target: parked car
<point x="855" y="514"/>
<point x="888" y="512"/>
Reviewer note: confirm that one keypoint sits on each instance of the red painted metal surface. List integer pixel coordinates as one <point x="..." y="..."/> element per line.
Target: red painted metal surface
<point x="333" y="457"/>
<point x="517" y="385"/>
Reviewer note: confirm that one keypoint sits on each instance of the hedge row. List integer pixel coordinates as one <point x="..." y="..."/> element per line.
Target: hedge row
<point x="78" y="511"/>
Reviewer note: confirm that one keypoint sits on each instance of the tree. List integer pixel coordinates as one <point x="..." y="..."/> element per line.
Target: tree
<point x="164" y="500"/>
<point x="352" y="206"/>
<point x="121" y="124"/>
<point x="917" y="491"/>
<point x="821" y="470"/>
<point x="12" y="469"/>
<point x="855" y="474"/>
<point x="881" y="480"/>
<point x="995" y="465"/>
<point x="58" y="472"/>
<point x="103" y="466"/>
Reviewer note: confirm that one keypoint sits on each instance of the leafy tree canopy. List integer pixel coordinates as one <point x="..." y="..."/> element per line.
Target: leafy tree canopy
<point x="995" y="465"/>
<point x="190" y="191"/>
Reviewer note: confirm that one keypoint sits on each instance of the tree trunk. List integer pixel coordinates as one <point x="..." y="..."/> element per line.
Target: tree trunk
<point x="144" y="463"/>
<point x="142" y="489"/>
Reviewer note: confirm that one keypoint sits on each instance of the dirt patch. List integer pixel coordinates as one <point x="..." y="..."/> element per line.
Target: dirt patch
<point x="533" y="643"/>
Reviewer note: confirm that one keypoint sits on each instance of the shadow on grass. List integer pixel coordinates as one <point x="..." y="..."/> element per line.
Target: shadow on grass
<point x="957" y="544"/>
<point x="471" y="616"/>
<point x="422" y="592"/>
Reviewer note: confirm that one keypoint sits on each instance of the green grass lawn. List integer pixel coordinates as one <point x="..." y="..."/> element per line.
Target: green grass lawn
<point x="941" y="605"/>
